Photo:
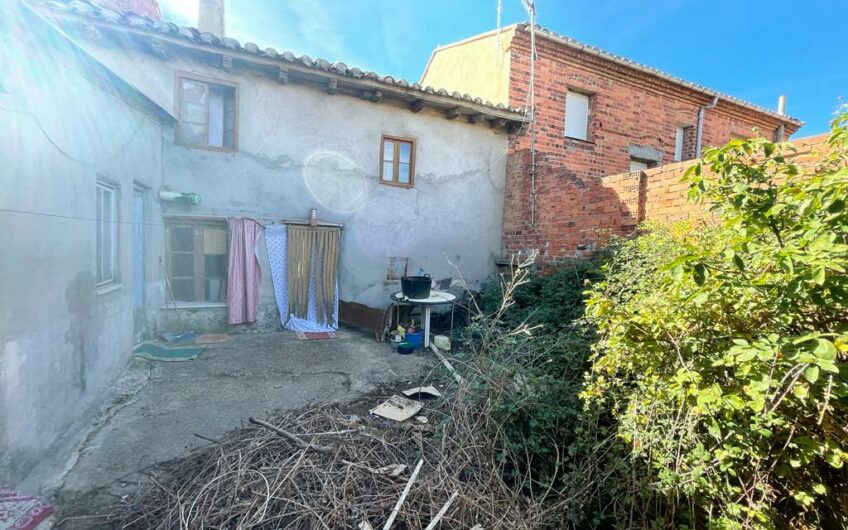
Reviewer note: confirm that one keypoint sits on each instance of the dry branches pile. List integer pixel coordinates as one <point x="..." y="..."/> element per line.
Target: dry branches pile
<point x="338" y="470"/>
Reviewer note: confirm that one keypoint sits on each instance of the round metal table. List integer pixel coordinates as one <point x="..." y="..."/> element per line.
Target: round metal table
<point x="435" y="298"/>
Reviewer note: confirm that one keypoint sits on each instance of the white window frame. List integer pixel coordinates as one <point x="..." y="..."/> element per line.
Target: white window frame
<point x="577" y="117"/>
<point x="679" y="137"/>
<point x="104" y="226"/>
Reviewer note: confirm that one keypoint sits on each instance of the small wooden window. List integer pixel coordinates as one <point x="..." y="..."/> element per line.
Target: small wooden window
<point x="207" y="114"/>
<point x="397" y="161"/>
<point x="197" y="261"/>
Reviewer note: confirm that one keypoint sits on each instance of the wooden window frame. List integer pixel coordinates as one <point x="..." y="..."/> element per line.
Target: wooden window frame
<point x="198" y="259"/>
<point x="396" y="161"/>
<point x="180" y="76"/>
<point x="113" y="188"/>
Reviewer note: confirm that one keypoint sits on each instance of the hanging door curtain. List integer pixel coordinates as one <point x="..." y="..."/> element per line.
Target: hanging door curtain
<point x="243" y="274"/>
<point x="304" y="267"/>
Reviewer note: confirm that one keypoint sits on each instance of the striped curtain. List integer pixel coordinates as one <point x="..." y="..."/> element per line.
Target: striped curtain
<point x="313" y="252"/>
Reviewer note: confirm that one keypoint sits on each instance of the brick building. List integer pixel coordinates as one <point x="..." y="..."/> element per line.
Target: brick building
<point x="597" y="114"/>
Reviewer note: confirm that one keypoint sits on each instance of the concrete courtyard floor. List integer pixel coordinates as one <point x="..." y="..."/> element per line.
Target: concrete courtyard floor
<point x="155" y="409"/>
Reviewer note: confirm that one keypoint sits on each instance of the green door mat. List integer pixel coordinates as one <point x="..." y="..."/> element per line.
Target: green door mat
<point x="159" y="352"/>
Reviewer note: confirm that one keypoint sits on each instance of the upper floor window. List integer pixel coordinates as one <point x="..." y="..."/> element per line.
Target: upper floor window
<point x="397" y="161"/>
<point x="107" y="233"/>
<point x="684" y="142"/>
<point x="577" y="115"/>
<point x="207" y="114"/>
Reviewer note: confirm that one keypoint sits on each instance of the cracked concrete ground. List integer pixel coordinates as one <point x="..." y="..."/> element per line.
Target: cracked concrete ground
<point x="155" y="409"/>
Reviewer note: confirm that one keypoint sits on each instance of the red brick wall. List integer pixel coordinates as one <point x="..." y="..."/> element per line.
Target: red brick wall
<point x="662" y="197"/>
<point x="627" y="107"/>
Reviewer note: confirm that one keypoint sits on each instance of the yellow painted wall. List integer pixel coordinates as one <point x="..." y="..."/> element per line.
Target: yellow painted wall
<point x="477" y="66"/>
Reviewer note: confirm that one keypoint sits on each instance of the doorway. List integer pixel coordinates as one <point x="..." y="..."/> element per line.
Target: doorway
<point x="139" y="316"/>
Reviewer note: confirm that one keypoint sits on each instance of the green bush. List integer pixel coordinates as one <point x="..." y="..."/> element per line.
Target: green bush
<point x="533" y="380"/>
<point x="721" y="353"/>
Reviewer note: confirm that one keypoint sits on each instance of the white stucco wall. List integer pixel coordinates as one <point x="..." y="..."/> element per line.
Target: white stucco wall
<point x="61" y="342"/>
<point x="301" y="148"/>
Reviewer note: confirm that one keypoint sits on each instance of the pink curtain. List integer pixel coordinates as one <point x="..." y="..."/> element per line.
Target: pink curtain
<point x="243" y="273"/>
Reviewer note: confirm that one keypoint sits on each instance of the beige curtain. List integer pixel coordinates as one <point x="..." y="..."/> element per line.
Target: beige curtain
<point x="312" y="251"/>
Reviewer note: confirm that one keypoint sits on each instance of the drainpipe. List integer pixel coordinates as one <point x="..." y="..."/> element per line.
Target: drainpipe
<point x="699" y="132"/>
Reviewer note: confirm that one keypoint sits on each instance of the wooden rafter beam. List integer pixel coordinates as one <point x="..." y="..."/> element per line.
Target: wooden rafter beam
<point x="332" y="85"/>
<point x="453" y="113"/>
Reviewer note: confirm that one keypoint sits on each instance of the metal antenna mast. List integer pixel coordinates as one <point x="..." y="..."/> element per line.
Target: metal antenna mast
<point x="530" y="7"/>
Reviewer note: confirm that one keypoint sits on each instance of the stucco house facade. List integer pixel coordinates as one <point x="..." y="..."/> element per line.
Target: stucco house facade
<point x="117" y="192"/>
<point x="597" y="114"/>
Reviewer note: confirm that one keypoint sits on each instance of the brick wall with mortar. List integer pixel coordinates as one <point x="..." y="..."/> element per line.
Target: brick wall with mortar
<point x="575" y="208"/>
<point x="657" y="194"/>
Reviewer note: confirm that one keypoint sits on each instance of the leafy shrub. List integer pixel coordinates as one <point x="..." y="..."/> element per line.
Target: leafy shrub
<point x="721" y="353"/>
<point x="552" y="297"/>
<point x="534" y="379"/>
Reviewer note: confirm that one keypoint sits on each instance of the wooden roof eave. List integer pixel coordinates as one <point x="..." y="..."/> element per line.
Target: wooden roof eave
<point x="160" y="45"/>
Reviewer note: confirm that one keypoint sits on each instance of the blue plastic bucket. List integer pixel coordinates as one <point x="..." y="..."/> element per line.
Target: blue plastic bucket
<point x="414" y="339"/>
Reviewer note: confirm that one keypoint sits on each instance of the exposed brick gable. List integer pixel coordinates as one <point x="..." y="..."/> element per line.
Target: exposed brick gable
<point x="630" y="112"/>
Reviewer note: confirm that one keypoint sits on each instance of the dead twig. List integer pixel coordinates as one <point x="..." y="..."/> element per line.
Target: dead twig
<point x="323" y="449"/>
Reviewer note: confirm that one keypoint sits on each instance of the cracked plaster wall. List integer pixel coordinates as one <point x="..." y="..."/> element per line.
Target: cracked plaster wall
<point x="61" y="341"/>
<point x="300" y="148"/>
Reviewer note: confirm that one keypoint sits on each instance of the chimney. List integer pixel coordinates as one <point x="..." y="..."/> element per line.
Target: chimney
<point x="210" y="17"/>
<point x="781" y="105"/>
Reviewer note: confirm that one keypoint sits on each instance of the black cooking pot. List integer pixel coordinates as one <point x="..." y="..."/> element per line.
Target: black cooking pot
<point x="416" y="286"/>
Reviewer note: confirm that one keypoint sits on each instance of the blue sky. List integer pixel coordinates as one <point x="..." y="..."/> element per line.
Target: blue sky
<point x="752" y="49"/>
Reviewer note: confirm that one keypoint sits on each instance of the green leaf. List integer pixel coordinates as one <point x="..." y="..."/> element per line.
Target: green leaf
<point x="819" y="276"/>
<point x="768" y="148"/>
<point x="738" y="262"/>
<point x="699" y="273"/>
<point x="825" y="350"/>
<point x="811" y="373"/>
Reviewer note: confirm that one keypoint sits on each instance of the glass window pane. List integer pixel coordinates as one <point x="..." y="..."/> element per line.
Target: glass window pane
<point x="99" y="235"/>
<point x="388" y="150"/>
<point x="182" y="238"/>
<point x="215" y="265"/>
<point x="216" y="117"/>
<point x="184" y="290"/>
<point x="214" y="241"/>
<point x="216" y="289"/>
<point x="193" y="91"/>
<point x="105" y="234"/>
<point x="230" y="118"/>
<point x="577" y="115"/>
<point x="405" y="150"/>
<point x="403" y="173"/>
<point x="388" y="171"/>
<point x="182" y="265"/>
<point x="193" y="112"/>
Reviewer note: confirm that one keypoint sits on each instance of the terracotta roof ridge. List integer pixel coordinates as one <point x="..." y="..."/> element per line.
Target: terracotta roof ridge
<point x="136" y="21"/>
